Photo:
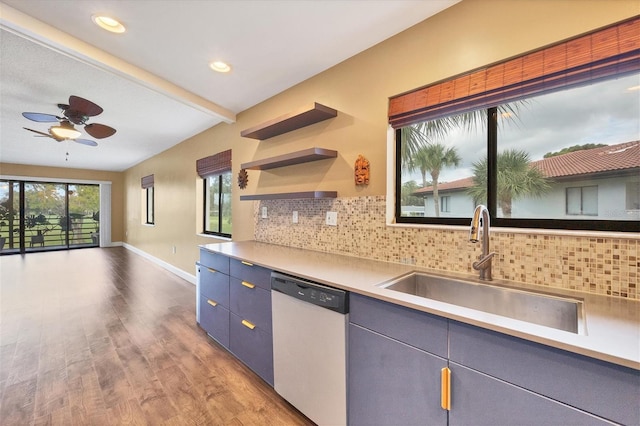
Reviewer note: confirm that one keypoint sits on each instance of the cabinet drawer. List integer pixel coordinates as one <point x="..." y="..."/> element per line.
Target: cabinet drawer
<point x="254" y="347"/>
<point x="251" y="302"/>
<point x="249" y="272"/>
<point x="215" y="321"/>
<point x="214" y="261"/>
<point x="415" y="328"/>
<point x="473" y="393"/>
<point x="214" y="285"/>
<point x="604" y="389"/>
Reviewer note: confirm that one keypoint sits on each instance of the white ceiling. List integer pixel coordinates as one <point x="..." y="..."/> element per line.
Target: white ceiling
<point x="154" y="81"/>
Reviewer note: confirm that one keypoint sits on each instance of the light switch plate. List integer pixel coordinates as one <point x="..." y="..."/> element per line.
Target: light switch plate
<point x="294" y="217"/>
<point x="264" y="212"/>
<point x="332" y="218"/>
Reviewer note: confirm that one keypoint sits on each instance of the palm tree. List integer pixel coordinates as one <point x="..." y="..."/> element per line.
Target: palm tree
<point x="415" y="136"/>
<point x="516" y="179"/>
<point x="432" y="159"/>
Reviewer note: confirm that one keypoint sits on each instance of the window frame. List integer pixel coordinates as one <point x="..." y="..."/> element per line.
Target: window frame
<point x="582" y="198"/>
<point x="499" y="222"/>
<point x="150" y="206"/>
<point x="207" y="202"/>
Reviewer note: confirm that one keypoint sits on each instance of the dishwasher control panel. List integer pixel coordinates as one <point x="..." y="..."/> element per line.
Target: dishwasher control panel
<point x="310" y="292"/>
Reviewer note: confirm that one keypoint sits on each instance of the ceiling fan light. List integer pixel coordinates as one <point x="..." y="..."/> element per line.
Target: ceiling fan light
<point x="108" y="23"/>
<point x="65" y="131"/>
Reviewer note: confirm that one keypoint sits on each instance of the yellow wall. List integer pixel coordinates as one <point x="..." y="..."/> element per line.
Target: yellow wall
<point x="473" y="33"/>
<point x="116" y="179"/>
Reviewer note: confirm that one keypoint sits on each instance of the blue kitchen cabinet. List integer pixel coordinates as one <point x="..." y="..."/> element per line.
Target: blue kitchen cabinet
<point x="396" y="355"/>
<point x="481" y="400"/>
<point x="395" y="359"/>
<point x="600" y="388"/>
<point x="250" y="335"/>
<point x="235" y="309"/>
<point x="392" y="383"/>
<point x="213" y="300"/>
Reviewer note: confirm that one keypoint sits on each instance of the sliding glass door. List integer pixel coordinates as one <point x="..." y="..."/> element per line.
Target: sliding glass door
<point x="37" y="216"/>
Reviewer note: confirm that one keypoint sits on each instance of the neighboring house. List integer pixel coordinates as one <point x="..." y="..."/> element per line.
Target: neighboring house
<point x="601" y="183"/>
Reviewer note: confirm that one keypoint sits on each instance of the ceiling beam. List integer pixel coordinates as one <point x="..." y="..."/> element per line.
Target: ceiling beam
<point x="37" y="31"/>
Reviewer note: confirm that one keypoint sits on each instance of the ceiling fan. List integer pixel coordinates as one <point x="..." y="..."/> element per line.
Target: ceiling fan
<point x="78" y="111"/>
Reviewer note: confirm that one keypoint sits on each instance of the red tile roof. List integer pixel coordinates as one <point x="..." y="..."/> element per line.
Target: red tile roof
<point x="447" y="186"/>
<point x="597" y="160"/>
<point x="607" y="158"/>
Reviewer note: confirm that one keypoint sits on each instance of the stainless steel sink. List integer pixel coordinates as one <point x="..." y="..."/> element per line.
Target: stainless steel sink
<point x="562" y="313"/>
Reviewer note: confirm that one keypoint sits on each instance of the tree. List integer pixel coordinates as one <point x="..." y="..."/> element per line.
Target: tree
<point x="574" y="148"/>
<point x="417" y="136"/>
<point x="516" y="179"/>
<point x="407" y="197"/>
<point x="432" y="159"/>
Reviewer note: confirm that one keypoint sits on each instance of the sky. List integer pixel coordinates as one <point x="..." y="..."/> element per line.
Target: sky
<point x="606" y="112"/>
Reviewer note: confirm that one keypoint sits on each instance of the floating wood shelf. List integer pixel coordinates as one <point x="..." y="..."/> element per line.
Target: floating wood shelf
<point x="293" y="121"/>
<point x="291" y="195"/>
<point x="299" y="157"/>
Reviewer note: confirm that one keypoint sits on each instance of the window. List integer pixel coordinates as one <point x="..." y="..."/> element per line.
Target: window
<point x="632" y="191"/>
<point x="149" y="200"/>
<point x="582" y="200"/>
<point x="539" y="153"/>
<point x="150" y="206"/>
<point x="445" y="203"/>
<point x="40" y="215"/>
<point x="216" y="173"/>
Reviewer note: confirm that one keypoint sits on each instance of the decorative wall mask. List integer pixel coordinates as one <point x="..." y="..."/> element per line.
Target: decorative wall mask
<point x="243" y="178"/>
<point x="362" y="171"/>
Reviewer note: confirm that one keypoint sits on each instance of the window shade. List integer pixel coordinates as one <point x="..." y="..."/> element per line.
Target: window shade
<point x="604" y="53"/>
<point x="147" y="181"/>
<point x="214" y="164"/>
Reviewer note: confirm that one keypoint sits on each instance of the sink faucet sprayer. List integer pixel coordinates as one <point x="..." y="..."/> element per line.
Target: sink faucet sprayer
<point x="483" y="264"/>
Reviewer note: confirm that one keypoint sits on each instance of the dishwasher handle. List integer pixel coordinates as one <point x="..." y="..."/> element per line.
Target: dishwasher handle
<point x="317" y="294"/>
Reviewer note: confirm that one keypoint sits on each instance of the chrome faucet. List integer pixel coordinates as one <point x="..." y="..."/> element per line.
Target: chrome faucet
<point x="483" y="264"/>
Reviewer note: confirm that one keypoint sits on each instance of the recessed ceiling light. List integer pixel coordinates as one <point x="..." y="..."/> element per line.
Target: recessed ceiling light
<point x="220" y="66"/>
<point x="108" y="23"/>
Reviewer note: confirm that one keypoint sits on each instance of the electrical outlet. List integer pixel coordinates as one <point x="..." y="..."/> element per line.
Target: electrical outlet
<point x="173" y="249"/>
<point x="332" y="218"/>
<point x="294" y="217"/>
<point x="264" y="212"/>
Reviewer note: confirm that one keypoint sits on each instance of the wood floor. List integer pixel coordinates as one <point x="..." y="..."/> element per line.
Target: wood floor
<point x="103" y="336"/>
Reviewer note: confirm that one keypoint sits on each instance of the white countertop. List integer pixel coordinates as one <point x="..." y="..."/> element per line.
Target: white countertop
<point x="612" y="331"/>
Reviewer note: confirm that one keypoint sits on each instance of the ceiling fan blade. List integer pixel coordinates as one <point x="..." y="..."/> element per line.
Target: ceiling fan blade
<point x="84" y="106"/>
<point x="38" y="132"/>
<point x="86" y="142"/>
<point x="99" y="131"/>
<point x="40" y="118"/>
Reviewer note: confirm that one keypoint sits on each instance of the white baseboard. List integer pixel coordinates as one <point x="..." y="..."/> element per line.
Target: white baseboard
<point x="169" y="267"/>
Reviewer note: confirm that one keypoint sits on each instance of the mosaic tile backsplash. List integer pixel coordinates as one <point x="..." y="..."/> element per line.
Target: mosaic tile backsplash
<point x="599" y="265"/>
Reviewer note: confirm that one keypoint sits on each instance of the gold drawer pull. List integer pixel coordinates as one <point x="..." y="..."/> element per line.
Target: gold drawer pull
<point x="247" y="263"/>
<point x="248" y="285"/>
<point x="445" y="390"/>
<point x="212" y="302"/>
<point x="213" y="271"/>
<point x="248" y="324"/>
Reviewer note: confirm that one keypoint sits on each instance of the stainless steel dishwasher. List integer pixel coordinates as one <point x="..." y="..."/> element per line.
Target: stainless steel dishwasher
<point x="310" y="347"/>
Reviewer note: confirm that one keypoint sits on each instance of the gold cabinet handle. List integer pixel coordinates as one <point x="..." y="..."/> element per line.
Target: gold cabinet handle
<point x="213" y="271"/>
<point x="248" y="285"/>
<point x="212" y="302"/>
<point x="248" y="324"/>
<point x="445" y="388"/>
<point x="246" y="263"/>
